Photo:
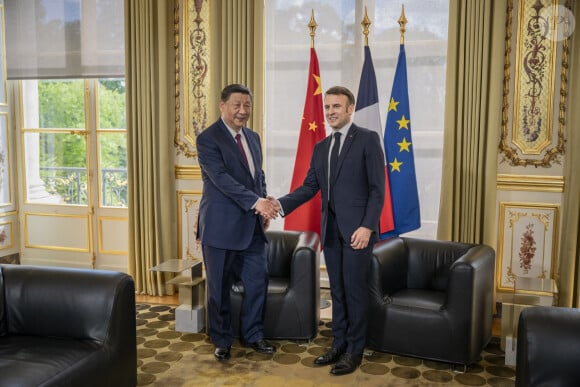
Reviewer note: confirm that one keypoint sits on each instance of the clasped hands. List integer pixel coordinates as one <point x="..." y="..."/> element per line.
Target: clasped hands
<point x="268" y="207"/>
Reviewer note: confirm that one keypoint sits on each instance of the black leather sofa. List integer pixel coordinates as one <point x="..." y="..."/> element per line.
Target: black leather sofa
<point x="431" y="299"/>
<point x="292" y="308"/>
<point x="548" y="348"/>
<point x="66" y="327"/>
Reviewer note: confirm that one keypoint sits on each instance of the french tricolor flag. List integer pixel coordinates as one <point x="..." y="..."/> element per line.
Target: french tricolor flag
<point x="368" y="115"/>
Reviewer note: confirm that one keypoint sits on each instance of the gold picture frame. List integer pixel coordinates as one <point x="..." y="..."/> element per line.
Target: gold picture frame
<point x="190" y="27"/>
<point x="527" y="244"/>
<point x="529" y="135"/>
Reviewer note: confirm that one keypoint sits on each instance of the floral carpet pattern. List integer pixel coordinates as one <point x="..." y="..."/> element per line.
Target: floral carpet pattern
<point x="168" y="358"/>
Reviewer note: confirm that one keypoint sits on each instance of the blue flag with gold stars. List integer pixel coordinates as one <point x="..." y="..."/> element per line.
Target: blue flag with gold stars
<point x="400" y="163"/>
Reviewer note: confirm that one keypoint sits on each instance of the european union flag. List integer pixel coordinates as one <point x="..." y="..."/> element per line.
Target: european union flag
<point x="400" y="161"/>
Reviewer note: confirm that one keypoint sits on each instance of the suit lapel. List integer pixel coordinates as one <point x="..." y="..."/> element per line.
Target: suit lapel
<point x="253" y="145"/>
<point x="254" y="150"/>
<point x="326" y="154"/>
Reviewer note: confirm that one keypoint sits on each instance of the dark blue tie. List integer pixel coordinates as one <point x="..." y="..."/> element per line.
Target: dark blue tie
<point x="332" y="169"/>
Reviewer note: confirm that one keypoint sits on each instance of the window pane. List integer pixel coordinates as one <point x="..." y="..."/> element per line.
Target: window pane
<point x="112" y="104"/>
<point x="56" y="168"/>
<point x="54" y="104"/>
<point x="113" y="165"/>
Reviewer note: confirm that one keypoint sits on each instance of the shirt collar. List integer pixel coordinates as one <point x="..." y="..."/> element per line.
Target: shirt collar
<point x="233" y="132"/>
<point x="343" y="131"/>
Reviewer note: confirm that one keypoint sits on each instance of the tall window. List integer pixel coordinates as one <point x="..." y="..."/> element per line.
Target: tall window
<point x="61" y="134"/>
<point x="339" y="46"/>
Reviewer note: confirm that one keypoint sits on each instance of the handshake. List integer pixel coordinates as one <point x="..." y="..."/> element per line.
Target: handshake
<point x="269" y="207"/>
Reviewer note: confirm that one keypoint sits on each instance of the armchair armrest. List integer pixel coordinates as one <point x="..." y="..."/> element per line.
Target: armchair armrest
<point x="305" y="265"/>
<point x="388" y="268"/>
<point x="469" y="302"/>
<point x="469" y="280"/>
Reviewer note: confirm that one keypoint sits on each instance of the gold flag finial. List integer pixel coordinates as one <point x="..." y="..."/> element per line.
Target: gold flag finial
<point x="312" y="26"/>
<point x="366" y="23"/>
<point x="402" y="23"/>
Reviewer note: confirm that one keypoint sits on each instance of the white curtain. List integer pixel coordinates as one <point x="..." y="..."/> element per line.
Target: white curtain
<point x="48" y="39"/>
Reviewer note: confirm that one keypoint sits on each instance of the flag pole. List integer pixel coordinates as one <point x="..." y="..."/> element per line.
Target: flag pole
<point x="366" y="22"/>
<point x="402" y="22"/>
<point x="312" y="27"/>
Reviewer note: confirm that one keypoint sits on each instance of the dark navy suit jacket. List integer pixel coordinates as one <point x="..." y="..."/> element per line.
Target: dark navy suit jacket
<point x="359" y="187"/>
<point x="226" y="220"/>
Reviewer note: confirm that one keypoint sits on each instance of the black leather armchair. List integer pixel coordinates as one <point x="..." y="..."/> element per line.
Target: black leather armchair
<point x="431" y="299"/>
<point x="66" y="327"/>
<point x="293" y="302"/>
<point x="548" y="348"/>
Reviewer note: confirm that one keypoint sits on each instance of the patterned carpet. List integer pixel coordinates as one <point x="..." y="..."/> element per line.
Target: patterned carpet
<point x="168" y="358"/>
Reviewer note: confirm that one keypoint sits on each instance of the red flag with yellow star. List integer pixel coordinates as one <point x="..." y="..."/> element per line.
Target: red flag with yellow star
<point x="307" y="216"/>
<point x="400" y="161"/>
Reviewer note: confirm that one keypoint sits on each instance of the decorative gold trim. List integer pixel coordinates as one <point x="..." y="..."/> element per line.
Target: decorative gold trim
<point x="195" y="66"/>
<point x="509" y="214"/>
<point x="59" y="248"/>
<point x="530" y="183"/>
<point x="546" y="154"/>
<point x="100" y="235"/>
<point x="188" y="172"/>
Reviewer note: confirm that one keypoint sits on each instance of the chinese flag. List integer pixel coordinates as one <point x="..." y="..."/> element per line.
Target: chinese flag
<point x="307" y="216"/>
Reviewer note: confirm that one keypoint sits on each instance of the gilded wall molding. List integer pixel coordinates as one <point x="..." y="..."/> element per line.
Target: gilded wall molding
<point x="532" y="138"/>
<point x="530" y="183"/>
<point x="188" y="210"/>
<point x="188" y="172"/>
<point x="190" y="28"/>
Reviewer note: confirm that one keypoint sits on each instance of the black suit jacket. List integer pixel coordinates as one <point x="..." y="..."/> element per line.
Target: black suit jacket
<point x="359" y="187"/>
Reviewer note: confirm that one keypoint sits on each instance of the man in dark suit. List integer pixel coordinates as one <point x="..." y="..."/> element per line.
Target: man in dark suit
<point x="348" y="167"/>
<point x="233" y="216"/>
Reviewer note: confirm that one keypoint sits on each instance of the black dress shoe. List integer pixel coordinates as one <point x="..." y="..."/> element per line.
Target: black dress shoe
<point x="329" y="357"/>
<point x="262" y="346"/>
<point x="222" y="354"/>
<point x="347" y="364"/>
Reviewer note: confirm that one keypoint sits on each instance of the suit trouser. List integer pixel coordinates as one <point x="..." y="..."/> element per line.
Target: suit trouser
<point x="348" y="271"/>
<point x="222" y="268"/>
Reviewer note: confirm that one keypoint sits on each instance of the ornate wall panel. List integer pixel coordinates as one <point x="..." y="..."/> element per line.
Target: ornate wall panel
<point x="530" y="134"/>
<point x="188" y="208"/>
<point x="527" y="246"/>
<point x="191" y="25"/>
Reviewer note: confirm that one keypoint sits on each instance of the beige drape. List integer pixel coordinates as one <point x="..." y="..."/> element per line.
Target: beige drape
<point x="150" y="126"/>
<point x="473" y="104"/>
<point x="569" y="268"/>
<point x="237" y="52"/>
